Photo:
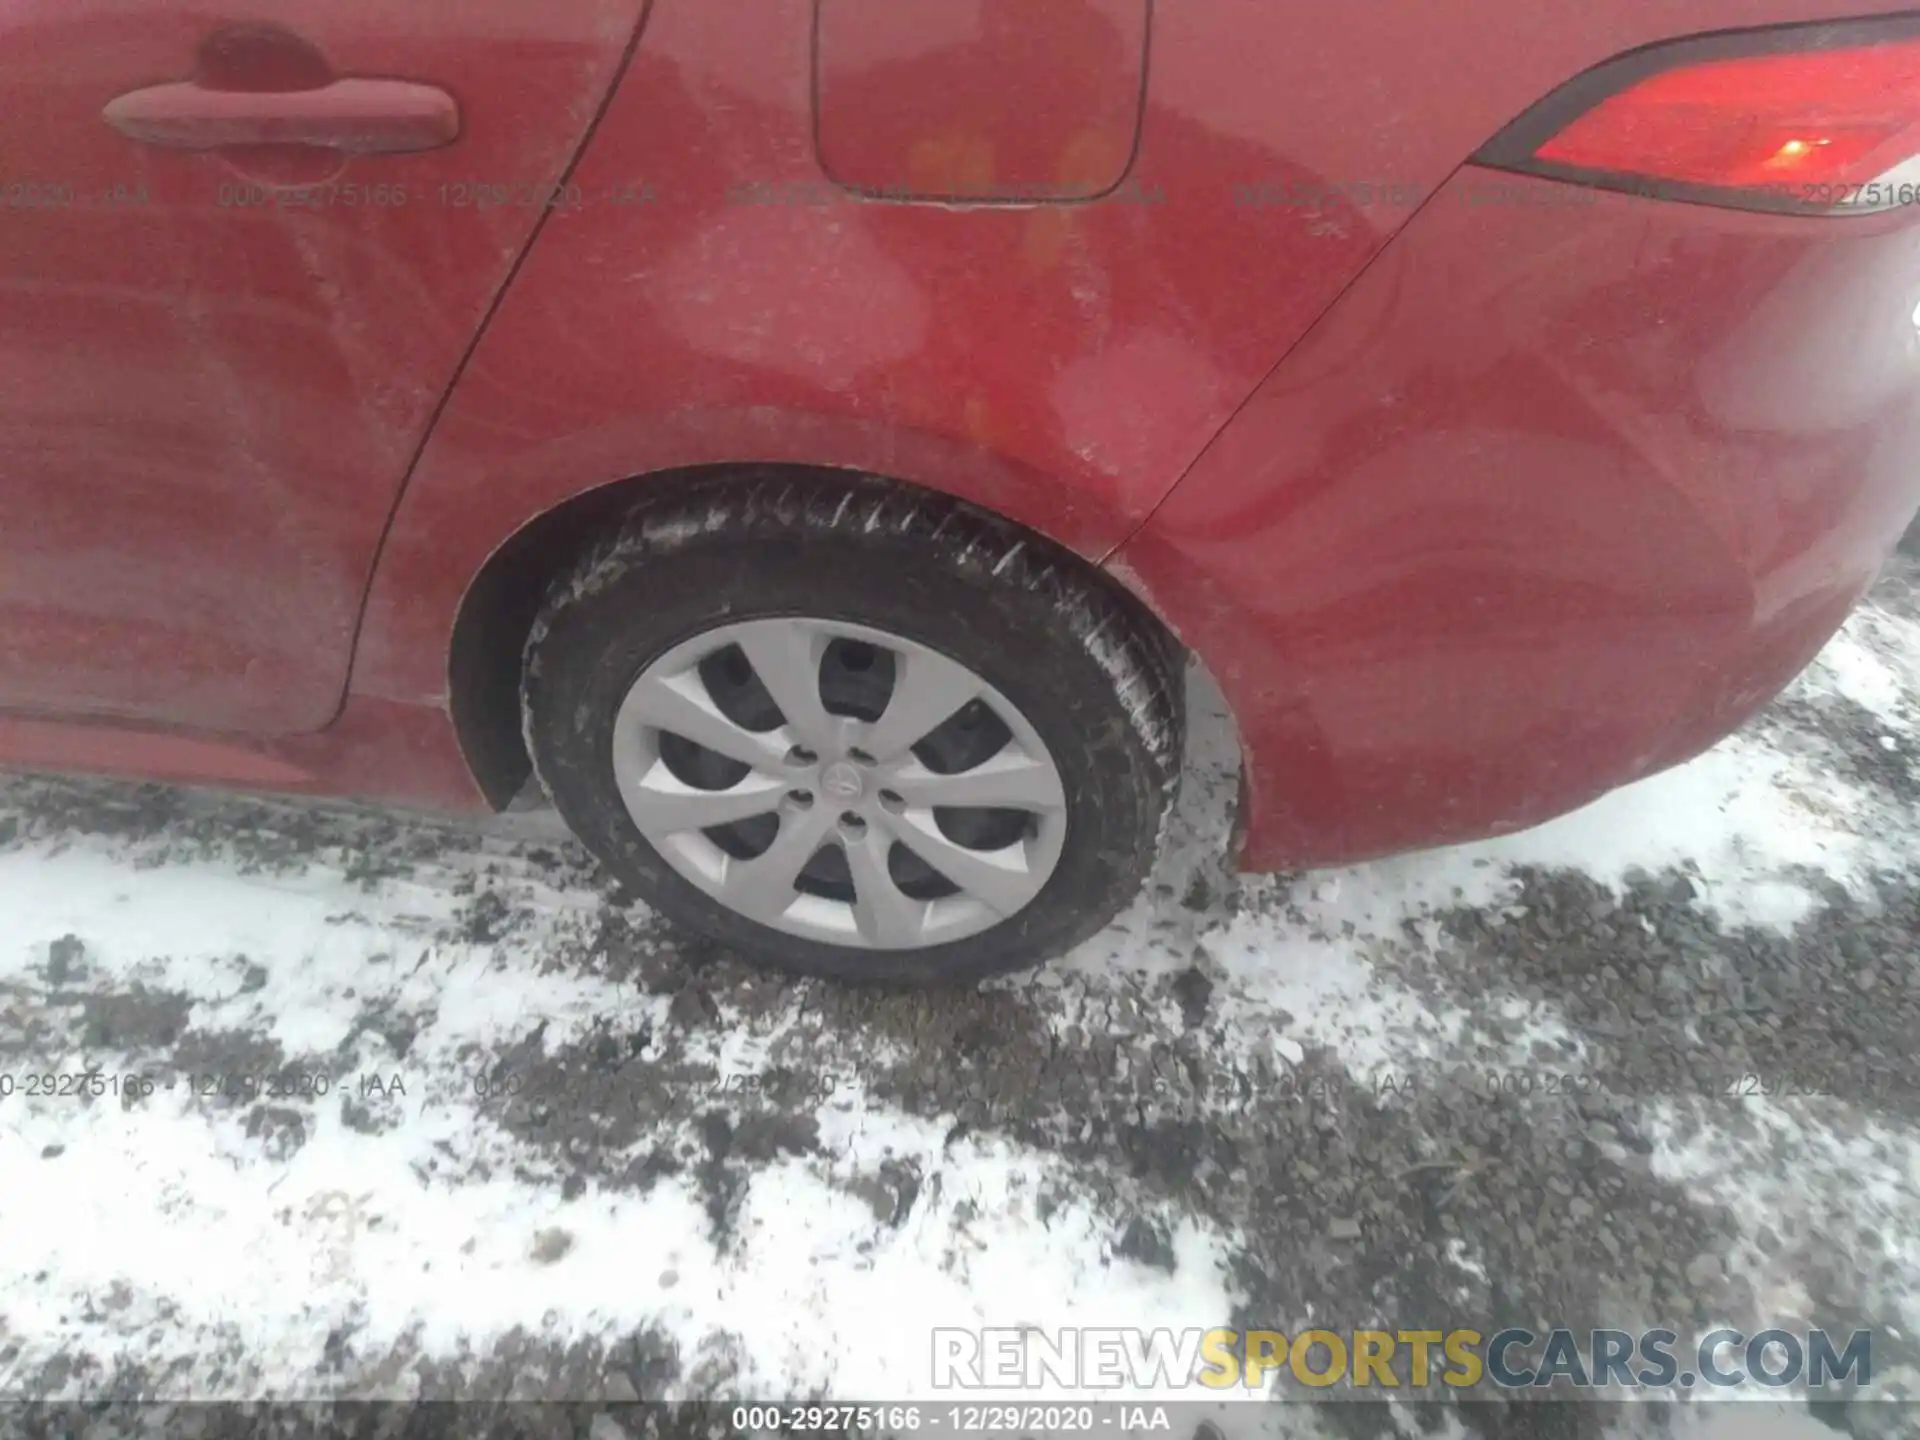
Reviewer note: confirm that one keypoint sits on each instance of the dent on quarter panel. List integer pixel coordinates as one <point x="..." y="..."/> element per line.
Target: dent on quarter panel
<point x="1031" y="100"/>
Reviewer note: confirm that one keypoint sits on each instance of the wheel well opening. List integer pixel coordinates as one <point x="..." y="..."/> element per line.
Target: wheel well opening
<point x="497" y="614"/>
<point x="504" y="599"/>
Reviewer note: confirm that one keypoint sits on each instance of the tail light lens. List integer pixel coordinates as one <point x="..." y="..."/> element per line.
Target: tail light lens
<point x="1807" y="119"/>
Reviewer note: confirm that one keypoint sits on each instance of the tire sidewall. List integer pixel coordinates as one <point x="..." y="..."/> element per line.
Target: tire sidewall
<point x="591" y="649"/>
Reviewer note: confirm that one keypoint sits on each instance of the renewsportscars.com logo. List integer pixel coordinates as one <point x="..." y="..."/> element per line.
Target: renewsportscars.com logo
<point x="1109" y="1360"/>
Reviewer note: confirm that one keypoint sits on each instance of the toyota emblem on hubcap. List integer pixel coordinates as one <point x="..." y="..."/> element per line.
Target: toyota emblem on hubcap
<point x="841" y="781"/>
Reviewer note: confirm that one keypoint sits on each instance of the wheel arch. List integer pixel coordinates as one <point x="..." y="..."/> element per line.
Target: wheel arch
<point x="500" y="603"/>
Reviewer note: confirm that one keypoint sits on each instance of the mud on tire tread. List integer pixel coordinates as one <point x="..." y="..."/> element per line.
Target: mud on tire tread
<point x="726" y="549"/>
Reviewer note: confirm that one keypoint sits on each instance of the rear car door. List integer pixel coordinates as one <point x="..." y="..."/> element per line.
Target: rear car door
<point x="242" y="255"/>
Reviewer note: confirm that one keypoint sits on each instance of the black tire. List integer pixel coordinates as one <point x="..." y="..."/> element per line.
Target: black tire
<point x="1087" y="667"/>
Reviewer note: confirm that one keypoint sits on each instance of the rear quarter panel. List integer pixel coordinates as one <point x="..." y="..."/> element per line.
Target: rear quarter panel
<point x="1562" y="491"/>
<point x="714" y="296"/>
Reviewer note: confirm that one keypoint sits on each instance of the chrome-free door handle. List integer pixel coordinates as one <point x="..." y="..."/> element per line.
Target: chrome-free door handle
<point x="356" y="116"/>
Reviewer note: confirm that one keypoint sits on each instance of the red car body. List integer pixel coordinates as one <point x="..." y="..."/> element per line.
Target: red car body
<point x="1479" y="492"/>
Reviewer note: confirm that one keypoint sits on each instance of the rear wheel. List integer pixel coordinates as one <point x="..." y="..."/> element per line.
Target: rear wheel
<point x="852" y="730"/>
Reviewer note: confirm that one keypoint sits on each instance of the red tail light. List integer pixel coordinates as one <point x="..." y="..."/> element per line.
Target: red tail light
<point x="1821" y="119"/>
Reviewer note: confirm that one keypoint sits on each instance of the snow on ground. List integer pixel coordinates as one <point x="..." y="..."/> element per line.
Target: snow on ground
<point x="391" y="1108"/>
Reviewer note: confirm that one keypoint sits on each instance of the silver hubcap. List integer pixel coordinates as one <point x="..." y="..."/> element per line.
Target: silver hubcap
<point x="839" y="783"/>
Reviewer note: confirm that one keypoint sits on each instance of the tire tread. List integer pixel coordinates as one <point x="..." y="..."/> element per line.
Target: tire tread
<point x="1140" y="660"/>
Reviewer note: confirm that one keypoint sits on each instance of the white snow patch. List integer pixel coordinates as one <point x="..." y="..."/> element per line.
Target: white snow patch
<point x="1817" y="1174"/>
<point x="1743" y="820"/>
<point x="353" y="1230"/>
<point x="162" y="1227"/>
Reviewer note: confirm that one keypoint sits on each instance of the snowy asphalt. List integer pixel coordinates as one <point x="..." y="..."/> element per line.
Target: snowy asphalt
<point x="394" y="1108"/>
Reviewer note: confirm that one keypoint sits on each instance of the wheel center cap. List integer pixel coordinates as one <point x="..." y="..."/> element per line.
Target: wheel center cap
<point x="842" y="781"/>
